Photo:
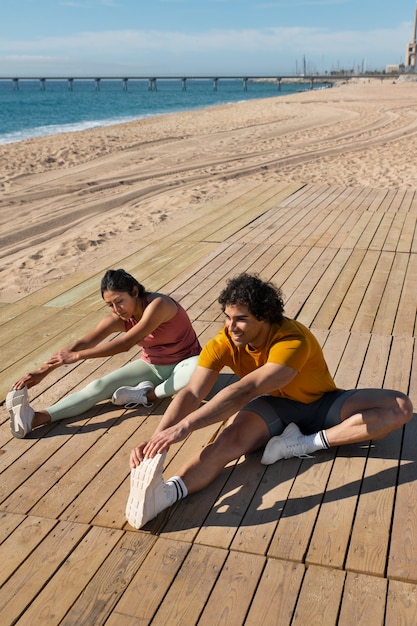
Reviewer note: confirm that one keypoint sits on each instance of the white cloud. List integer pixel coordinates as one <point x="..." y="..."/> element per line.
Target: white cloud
<point x="268" y="50"/>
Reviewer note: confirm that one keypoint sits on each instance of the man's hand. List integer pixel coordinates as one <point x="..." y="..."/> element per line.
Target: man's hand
<point x="160" y="442"/>
<point x="137" y="455"/>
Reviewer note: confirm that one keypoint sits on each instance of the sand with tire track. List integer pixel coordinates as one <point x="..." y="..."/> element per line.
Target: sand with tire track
<point x="68" y="200"/>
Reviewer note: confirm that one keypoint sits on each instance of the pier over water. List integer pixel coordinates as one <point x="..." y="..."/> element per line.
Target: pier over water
<point x="152" y="81"/>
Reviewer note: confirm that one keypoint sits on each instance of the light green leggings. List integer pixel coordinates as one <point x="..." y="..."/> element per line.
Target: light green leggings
<point x="168" y="379"/>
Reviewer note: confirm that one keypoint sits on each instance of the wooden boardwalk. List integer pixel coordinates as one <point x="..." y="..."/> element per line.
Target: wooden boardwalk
<point x="328" y="540"/>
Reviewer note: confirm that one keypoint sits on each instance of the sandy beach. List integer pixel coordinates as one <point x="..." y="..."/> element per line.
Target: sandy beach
<point x="69" y="199"/>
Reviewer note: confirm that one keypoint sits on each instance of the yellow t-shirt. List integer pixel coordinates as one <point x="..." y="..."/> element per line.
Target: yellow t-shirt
<point x="290" y="344"/>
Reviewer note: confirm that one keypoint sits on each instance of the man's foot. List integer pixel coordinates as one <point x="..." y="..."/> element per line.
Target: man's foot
<point x="132" y="397"/>
<point x="149" y="495"/>
<point x="20" y="411"/>
<point x="291" y="443"/>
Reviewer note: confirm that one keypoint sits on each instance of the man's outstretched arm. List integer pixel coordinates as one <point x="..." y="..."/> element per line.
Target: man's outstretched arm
<point x="223" y="405"/>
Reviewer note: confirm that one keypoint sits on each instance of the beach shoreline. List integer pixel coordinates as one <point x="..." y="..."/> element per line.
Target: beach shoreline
<point x="68" y="200"/>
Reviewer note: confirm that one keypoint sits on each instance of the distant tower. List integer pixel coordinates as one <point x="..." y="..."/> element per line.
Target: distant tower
<point x="411" y="51"/>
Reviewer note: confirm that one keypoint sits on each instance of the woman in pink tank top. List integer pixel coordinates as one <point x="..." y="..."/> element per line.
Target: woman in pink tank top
<point x="153" y="321"/>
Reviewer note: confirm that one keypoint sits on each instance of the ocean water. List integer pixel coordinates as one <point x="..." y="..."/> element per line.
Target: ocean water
<point x="31" y="111"/>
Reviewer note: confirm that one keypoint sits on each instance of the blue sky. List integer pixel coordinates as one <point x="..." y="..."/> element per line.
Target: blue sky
<point x="201" y="37"/>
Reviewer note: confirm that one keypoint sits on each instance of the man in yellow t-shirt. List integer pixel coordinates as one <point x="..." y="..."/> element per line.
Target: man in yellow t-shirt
<point x="284" y="400"/>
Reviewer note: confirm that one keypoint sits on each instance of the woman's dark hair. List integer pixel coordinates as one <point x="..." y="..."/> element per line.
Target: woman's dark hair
<point x="262" y="299"/>
<point x="119" y="280"/>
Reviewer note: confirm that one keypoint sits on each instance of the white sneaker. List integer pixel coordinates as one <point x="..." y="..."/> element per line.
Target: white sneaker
<point x="20" y="411"/>
<point x="132" y="397"/>
<point x="149" y="495"/>
<point x="290" y="443"/>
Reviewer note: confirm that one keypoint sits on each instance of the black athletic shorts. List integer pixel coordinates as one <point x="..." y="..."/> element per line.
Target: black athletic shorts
<point x="310" y="418"/>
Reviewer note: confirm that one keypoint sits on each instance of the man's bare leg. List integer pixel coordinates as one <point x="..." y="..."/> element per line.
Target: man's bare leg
<point x="149" y="495"/>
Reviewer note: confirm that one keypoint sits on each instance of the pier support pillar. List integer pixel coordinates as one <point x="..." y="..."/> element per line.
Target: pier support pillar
<point x="245" y="84"/>
<point x="15" y="84"/>
<point x="70" y="82"/>
<point x="42" y="84"/>
<point x="152" y="84"/>
<point x="215" y="81"/>
<point x="124" y="84"/>
<point x="184" y="84"/>
<point x="97" y="82"/>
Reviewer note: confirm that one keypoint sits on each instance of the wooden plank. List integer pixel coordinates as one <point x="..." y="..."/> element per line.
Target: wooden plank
<point x="58" y="595"/>
<point x="232" y="594"/>
<point x="385" y="317"/>
<point x="260" y="521"/>
<point x="8" y="523"/>
<point x="230" y="221"/>
<point x="17" y="593"/>
<point x="334" y="347"/>
<point x="315" y="223"/>
<point x="381" y="234"/>
<point x="405" y="241"/>
<point x="287" y="268"/>
<point x="91" y="472"/>
<point x="193" y="586"/>
<point x="336" y="294"/>
<point x="371" y="530"/>
<point x="35" y="357"/>
<point x="281" y="582"/>
<point x="151" y="582"/>
<point x="354" y="295"/>
<point x="363" y="601"/>
<point x="324" y="285"/>
<point x="331" y="534"/>
<point x="394" y="234"/>
<point x="400" y="364"/>
<point x="348" y="371"/>
<point x="41" y="337"/>
<point x="257" y="230"/>
<point x="401" y="604"/>
<point x="20" y="543"/>
<point x="40" y="296"/>
<point x="356" y="232"/>
<point x="225" y="516"/>
<point x="398" y="200"/>
<point x="320" y="597"/>
<point x="405" y="319"/>
<point x="402" y="558"/>
<point x="373" y="295"/>
<point x="314" y="270"/>
<point x="296" y="524"/>
<point x="101" y="594"/>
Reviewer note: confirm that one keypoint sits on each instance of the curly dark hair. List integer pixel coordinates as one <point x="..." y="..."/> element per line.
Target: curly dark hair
<point x="262" y="299"/>
<point x="120" y="280"/>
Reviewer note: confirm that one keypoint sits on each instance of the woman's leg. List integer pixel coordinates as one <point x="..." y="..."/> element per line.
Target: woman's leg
<point x="102" y="389"/>
<point x="177" y="378"/>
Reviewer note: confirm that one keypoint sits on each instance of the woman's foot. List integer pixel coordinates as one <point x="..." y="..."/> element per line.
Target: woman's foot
<point x="20" y="411"/>
<point x="132" y="397"/>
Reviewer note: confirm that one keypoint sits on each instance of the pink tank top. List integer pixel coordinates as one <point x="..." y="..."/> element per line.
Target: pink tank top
<point x="171" y="342"/>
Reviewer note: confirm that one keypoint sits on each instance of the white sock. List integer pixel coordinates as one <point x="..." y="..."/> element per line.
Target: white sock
<point x="316" y="441"/>
<point x="177" y="488"/>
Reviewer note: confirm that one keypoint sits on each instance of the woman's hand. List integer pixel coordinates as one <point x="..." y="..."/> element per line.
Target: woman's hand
<point x="63" y="357"/>
<point x="31" y="379"/>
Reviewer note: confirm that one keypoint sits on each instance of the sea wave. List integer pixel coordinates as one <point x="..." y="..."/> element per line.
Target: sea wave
<point x="57" y="129"/>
